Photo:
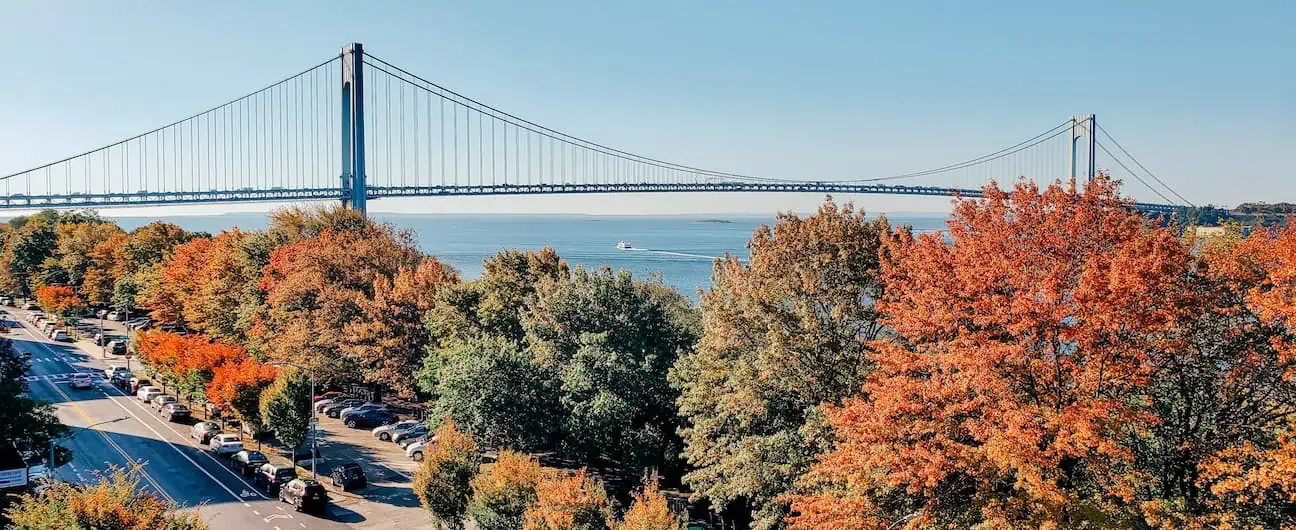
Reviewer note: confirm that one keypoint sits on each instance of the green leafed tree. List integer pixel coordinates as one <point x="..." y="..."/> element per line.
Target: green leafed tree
<point x="782" y="334"/>
<point x="22" y="418"/>
<point x="286" y="408"/>
<point x="612" y="340"/>
<point x="489" y="387"/>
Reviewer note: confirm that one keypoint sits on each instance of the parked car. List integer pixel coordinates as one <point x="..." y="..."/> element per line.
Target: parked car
<point x="272" y="477"/>
<point x="370" y="418"/>
<point x="418" y="430"/>
<point x="333" y="409"/>
<point x="115" y="316"/>
<point x="136" y="383"/>
<point x="406" y="442"/>
<point x="327" y="395"/>
<point x="117" y="347"/>
<point x="47" y="327"/>
<point x="30" y="306"/>
<point x="112" y="371"/>
<point x="147" y="393"/>
<point x="247" y="462"/>
<point x="385" y="432"/>
<point x="225" y="444"/>
<point x="415" y="450"/>
<point x="348" y="476"/>
<point x="81" y="381"/>
<point x="360" y="408"/>
<point x="162" y="400"/>
<point x="61" y="336"/>
<point x="203" y="431"/>
<point x="319" y="405"/>
<point x="174" y="412"/>
<point x="304" y="495"/>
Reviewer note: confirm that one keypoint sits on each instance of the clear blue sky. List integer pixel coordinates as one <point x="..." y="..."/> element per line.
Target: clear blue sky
<point x="1203" y="93"/>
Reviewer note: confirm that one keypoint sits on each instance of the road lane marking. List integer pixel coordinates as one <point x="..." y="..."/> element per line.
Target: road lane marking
<point x="161" y="438"/>
<point x="89" y="421"/>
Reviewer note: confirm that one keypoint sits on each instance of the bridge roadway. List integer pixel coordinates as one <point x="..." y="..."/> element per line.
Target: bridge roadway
<point x="112" y="429"/>
<point x="153" y="198"/>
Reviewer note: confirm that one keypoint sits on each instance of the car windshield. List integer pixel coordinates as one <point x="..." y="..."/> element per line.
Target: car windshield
<point x="255" y="456"/>
<point x="285" y="472"/>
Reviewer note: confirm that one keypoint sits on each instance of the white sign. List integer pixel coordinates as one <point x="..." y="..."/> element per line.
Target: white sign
<point x="13" y="478"/>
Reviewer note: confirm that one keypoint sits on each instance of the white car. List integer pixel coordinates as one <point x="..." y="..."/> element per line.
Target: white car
<point x="225" y="444"/>
<point x="81" y="381"/>
<point x="113" y="370"/>
<point x="385" y="432"/>
<point x="415" y="451"/>
<point x="115" y="316"/>
<point x="147" y="393"/>
<point x="60" y="336"/>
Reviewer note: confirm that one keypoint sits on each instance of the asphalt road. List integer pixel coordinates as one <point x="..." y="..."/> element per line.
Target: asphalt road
<point x="111" y="429"/>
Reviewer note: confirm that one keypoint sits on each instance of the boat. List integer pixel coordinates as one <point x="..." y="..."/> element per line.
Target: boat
<point x="622" y="245"/>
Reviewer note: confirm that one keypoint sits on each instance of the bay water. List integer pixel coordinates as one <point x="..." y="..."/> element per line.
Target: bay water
<point x="678" y="249"/>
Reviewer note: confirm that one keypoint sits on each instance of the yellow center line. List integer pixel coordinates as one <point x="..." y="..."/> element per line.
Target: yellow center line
<point x="118" y="448"/>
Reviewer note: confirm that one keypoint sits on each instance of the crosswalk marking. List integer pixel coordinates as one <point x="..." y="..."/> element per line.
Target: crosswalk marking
<point x="58" y="377"/>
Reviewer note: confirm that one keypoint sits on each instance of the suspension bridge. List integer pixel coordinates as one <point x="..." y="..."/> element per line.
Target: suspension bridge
<point x="356" y="128"/>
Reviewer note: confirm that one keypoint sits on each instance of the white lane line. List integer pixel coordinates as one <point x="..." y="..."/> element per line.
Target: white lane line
<point x="384" y="466"/>
<point x="147" y="477"/>
<point x="277" y="528"/>
<point x="163" y="439"/>
<point x="256" y="512"/>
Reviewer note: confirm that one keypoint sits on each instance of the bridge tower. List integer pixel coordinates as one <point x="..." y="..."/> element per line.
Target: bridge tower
<point x="355" y="191"/>
<point x="1084" y="127"/>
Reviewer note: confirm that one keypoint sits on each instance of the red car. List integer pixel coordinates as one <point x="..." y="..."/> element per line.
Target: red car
<point x="326" y="395"/>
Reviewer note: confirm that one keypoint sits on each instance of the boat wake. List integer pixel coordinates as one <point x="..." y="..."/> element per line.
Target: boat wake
<point x="669" y="253"/>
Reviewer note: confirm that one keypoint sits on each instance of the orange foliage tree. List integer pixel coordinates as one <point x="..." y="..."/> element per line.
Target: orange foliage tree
<point x="1007" y="393"/>
<point x="568" y="502"/>
<point x="59" y="300"/>
<point x="239" y="385"/>
<point x="189" y="361"/>
<point x="316" y="287"/>
<point x="389" y="340"/>
<point x="650" y="511"/>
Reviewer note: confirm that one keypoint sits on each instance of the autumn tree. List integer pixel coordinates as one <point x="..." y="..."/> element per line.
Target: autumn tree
<point x="388" y="339"/>
<point x="494" y="304"/>
<point x="77" y="249"/>
<point x="1022" y="345"/>
<point x="152" y="243"/>
<point x="502" y="493"/>
<point x="239" y="386"/>
<point x="314" y="288"/>
<point x="116" y="501"/>
<point x="783" y="333"/>
<point x="26" y="248"/>
<point x="60" y="300"/>
<point x="443" y="481"/>
<point x="106" y="265"/>
<point x="286" y="408"/>
<point x="649" y="510"/>
<point x="566" y="501"/>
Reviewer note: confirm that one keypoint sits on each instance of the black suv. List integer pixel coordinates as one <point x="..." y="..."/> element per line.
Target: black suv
<point x="305" y="495"/>
<point x="348" y="477"/>
<point x="370" y="418"/>
<point x="247" y="462"/>
<point x="271" y="477"/>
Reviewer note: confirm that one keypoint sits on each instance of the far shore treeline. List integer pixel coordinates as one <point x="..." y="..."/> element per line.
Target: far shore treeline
<point x="1051" y="360"/>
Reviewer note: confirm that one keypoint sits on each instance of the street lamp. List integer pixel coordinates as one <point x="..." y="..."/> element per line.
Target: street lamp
<point x="310" y="426"/>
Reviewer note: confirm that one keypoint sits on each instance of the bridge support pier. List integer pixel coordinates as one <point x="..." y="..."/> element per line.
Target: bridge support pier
<point x="355" y="191"/>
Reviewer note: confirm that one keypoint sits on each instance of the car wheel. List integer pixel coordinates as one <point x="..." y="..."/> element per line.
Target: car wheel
<point x="418" y="457"/>
<point x="384" y="437"/>
<point x="351" y="424"/>
<point x="298" y="505"/>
